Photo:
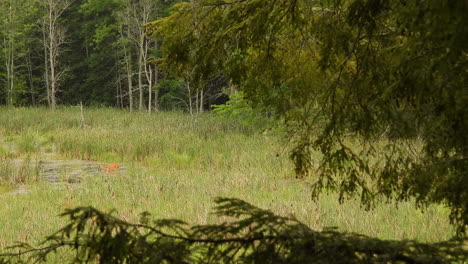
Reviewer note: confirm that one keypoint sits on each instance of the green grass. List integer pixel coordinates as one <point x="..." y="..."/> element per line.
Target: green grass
<point x="14" y="172"/>
<point x="175" y="165"/>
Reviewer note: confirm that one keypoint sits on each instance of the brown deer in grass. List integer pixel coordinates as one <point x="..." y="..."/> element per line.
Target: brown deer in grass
<point x="111" y="167"/>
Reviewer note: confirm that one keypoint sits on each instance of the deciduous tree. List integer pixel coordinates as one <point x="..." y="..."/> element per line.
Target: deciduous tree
<point x="15" y="27"/>
<point x="54" y="37"/>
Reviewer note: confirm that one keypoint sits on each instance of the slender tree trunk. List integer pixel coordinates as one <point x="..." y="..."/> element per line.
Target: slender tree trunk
<point x="11" y="77"/>
<point x="201" y="100"/>
<point x="128" y="63"/>
<point x="196" y="101"/>
<point x="156" y="88"/>
<point x="54" y="38"/>
<point x="121" y="94"/>
<point x="9" y="50"/>
<point x="53" y="80"/>
<point x="151" y="77"/>
<point x="121" y="97"/>
<point x="118" y="92"/>
<point x="127" y="57"/>
<point x="10" y="70"/>
<point x="30" y="78"/>
<point x="149" y="74"/>
<point x="190" y="98"/>
<point x="140" y="78"/>
<point x="134" y="17"/>
<point x="46" y="68"/>
<point x="199" y="94"/>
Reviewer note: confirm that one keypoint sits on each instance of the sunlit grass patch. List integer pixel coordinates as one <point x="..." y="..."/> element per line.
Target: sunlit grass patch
<point x="172" y="165"/>
<point x="14" y="172"/>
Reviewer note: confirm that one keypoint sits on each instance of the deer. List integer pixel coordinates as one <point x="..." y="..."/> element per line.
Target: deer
<point x="111" y="167"/>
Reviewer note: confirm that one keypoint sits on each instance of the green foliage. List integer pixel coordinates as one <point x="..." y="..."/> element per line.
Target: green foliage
<point x="93" y="29"/>
<point x="173" y="94"/>
<point x="239" y="109"/>
<point x="388" y="70"/>
<point x="252" y="235"/>
<point x="14" y="173"/>
<point x="17" y="23"/>
<point x="92" y="55"/>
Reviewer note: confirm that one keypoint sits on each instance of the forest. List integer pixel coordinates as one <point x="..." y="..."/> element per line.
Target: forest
<point x="92" y="52"/>
<point x="233" y="131"/>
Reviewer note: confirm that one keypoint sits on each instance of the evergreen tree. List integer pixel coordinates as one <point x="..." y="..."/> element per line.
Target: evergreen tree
<point x="342" y="73"/>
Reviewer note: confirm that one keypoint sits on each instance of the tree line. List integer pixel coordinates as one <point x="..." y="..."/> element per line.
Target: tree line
<point x="92" y="51"/>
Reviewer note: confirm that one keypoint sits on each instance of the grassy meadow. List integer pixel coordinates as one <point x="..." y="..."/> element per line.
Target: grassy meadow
<point x="173" y="165"/>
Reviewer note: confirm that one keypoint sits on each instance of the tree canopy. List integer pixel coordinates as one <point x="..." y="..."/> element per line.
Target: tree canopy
<point x="386" y="76"/>
<point x="60" y="52"/>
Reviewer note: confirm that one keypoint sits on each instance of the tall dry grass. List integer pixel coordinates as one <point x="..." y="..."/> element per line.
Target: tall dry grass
<point x="175" y="164"/>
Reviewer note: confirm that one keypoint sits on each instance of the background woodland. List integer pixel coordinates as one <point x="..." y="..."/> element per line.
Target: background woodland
<point x="63" y="52"/>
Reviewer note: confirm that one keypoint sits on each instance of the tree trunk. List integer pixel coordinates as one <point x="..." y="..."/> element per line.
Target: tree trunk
<point x="196" y="101"/>
<point x="54" y="38"/>
<point x="10" y="71"/>
<point x="30" y="78"/>
<point x="53" y="81"/>
<point x="118" y="92"/>
<point x="9" y="50"/>
<point x="129" y="80"/>
<point x="190" y="98"/>
<point x="149" y="74"/>
<point x="201" y="101"/>
<point x="46" y="67"/>
<point x="140" y="74"/>
<point x="156" y="88"/>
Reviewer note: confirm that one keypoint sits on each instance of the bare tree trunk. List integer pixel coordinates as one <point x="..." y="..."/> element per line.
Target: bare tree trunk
<point x="121" y="95"/>
<point x="52" y="64"/>
<point x="83" y="124"/>
<point x="145" y="9"/>
<point x="196" y="101"/>
<point x="149" y="76"/>
<point x="54" y="40"/>
<point x="10" y="70"/>
<point x="199" y="93"/>
<point x="9" y="51"/>
<point x="127" y="57"/>
<point x="134" y="18"/>
<point x="14" y="14"/>
<point x="118" y="86"/>
<point x="46" y="67"/>
<point x="139" y="18"/>
<point x="201" y="101"/>
<point x="129" y="79"/>
<point x="30" y="77"/>
<point x="140" y="75"/>
<point x="190" y="98"/>
<point x="156" y="88"/>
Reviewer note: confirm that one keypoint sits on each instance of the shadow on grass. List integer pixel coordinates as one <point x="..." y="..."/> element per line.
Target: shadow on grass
<point x="248" y="235"/>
